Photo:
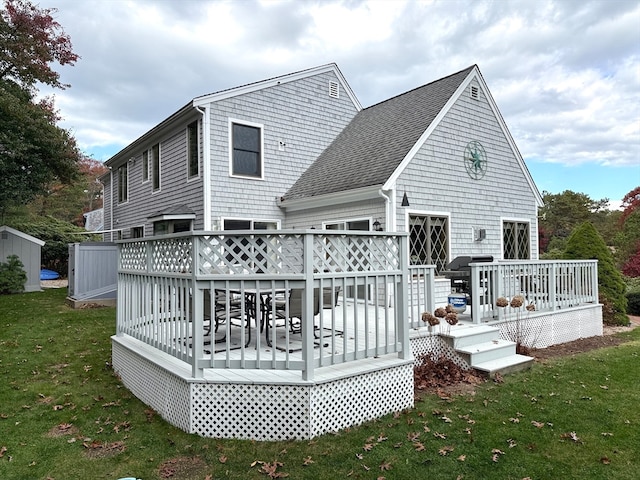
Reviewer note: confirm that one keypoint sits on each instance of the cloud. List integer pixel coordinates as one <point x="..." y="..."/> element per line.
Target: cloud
<point x="563" y="73"/>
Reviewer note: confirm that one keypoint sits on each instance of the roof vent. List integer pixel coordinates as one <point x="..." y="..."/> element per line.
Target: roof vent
<point x="334" y="90"/>
<point x="474" y="91"/>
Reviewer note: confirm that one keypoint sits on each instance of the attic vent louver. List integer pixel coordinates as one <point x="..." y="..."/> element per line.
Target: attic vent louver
<point x="474" y="92"/>
<point x="334" y="90"/>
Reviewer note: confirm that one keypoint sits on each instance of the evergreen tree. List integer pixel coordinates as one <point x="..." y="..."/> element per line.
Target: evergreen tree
<point x="586" y="243"/>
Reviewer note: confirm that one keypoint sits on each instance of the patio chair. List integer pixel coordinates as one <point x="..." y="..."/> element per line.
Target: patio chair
<point x="287" y="311"/>
<point x="228" y="309"/>
<point x="330" y="296"/>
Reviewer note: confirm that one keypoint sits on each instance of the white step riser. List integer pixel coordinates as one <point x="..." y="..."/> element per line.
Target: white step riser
<point x="512" y="364"/>
<point x="472" y="339"/>
<point x="501" y="351"/>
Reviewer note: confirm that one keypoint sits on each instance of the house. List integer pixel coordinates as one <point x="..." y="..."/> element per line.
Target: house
<point x="93" y="220"/>
<point x="28" y="249"/>
<point x="299" y="151"/>
<point x="288" y="184"/>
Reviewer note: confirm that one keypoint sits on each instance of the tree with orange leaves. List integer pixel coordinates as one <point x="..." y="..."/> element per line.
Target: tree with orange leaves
<point x="34" y="150"/>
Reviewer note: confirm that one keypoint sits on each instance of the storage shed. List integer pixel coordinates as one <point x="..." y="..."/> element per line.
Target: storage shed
<point x="28" y="249"/>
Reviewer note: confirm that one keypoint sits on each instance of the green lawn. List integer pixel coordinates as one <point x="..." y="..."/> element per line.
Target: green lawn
<point x="65" y="415"/>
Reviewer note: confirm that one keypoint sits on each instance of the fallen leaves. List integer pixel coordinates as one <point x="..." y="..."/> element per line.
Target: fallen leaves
<point x="270" y="468"/>
<point x="496" y="452"/>
<point x="573" y="436"/>
<point x="444" y="451"/>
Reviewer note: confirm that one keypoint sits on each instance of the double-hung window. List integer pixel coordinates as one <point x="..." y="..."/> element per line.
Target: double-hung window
<point x="123" y="183"/>
<point x="246" y="150"/>
<point x="155" y="166"/>
<point x="145" y="166"/>
<point x="193" y="149"/>
<point x="516" y="240"/>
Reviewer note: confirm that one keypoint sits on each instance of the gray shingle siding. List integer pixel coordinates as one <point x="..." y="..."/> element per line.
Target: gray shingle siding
<point x="175" y="187"/>
<point x="301" y="115"/>
<point x="374" y="143"/>
<point x="436" y="180"/>
<point x="371" y="209"/>
<point x="329" y="147"/>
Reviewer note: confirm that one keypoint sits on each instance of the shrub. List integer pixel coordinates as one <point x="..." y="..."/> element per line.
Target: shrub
<point x="12" y="275"/>
<point x="586" y="243"/>
<point x="633" y="303"/>
<point x="632" y="266"/>
<point x="633" y="295"/>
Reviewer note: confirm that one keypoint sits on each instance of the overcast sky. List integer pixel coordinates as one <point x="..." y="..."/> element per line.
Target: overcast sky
<point x="565" y="73"/>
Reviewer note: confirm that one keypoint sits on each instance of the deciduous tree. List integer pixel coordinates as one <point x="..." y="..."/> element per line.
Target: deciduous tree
<point x="34" y="150"/>
<point x="30" y="41"/>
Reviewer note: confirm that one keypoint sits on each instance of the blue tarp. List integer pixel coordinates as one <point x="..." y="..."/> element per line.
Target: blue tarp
<point x="48" y="274"/>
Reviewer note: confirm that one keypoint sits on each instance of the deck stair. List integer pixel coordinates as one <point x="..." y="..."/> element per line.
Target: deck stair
<point x="482" y="348"/>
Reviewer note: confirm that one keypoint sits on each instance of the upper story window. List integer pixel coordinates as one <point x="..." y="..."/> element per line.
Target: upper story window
<point x="155" y="166"/>
<point x="193" y="161"/>
<point x="123" y="183"/>
<point x="516" y="240"/>
<point x="246" y="150"/>
<point x="145" y="166"/>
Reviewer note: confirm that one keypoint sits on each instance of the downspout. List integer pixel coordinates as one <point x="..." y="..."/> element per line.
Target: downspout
<point x="111" y="202"/>
<point x="388" y="217"/>
<point x="206" y="167"/>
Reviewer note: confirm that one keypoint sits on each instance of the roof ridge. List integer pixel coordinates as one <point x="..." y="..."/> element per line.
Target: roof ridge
<point x="265" y="80"/>
<point x="422" y="86"/>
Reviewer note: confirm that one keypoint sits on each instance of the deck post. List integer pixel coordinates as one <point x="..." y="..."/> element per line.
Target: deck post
<point x="307" y="307"/>
<point x="475" y="295"/>
<point x="197" y="312"/>
<point x="402" y="300"/>
<point x="594" y="281"/>
<point x="553" y="291"/>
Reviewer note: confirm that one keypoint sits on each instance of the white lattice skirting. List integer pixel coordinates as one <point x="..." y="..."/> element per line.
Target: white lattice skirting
<point x="435" y="346"/>
<point x="277" y="405"/>
<point x="260" y="411"/>
<point x="543" y="330"/>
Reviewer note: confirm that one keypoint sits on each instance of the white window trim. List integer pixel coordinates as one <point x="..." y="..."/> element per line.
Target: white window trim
<point x="128" y="182"/>
<point x="145" y="180"/>
<point x="349" y="220"/>
<point x="260" y="126"/>
<point x="191" y="178"/>
<point x="431" y="213"/>
<point x="144" y="231"/>
<point x="252" y="220"/>
<point x="159" y="189"/>
<point x="519" y="220"/>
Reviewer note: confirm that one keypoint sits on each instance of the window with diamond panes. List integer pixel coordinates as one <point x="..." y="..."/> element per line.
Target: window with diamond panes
<point x="515" y="238"/>
<point x="428" y="241"/>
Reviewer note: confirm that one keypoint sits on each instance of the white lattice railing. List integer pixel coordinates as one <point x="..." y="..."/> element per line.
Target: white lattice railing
<point x="170" y="290"/>
<point x="548" y="285"/>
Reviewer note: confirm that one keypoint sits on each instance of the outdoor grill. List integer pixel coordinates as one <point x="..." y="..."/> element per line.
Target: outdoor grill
<point x="459" y="272"/>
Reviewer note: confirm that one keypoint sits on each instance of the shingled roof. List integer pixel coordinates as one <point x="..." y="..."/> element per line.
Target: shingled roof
<point x="376" y="141"/>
